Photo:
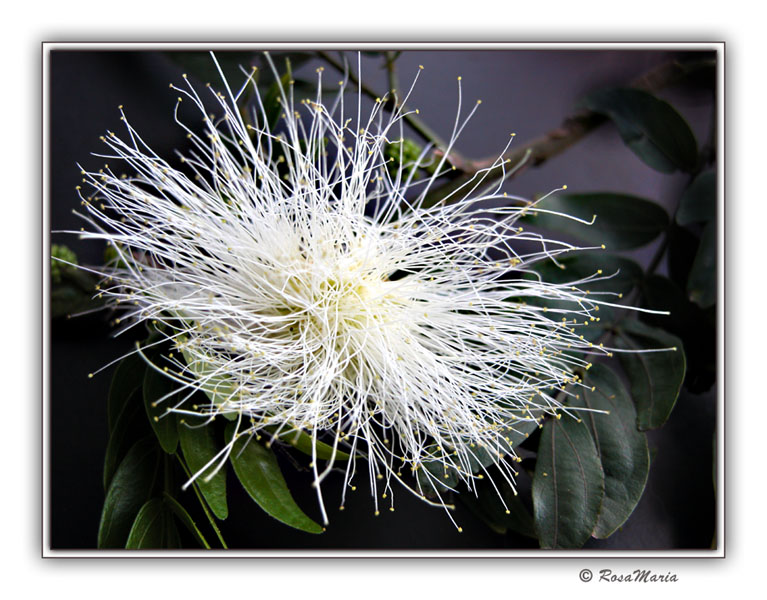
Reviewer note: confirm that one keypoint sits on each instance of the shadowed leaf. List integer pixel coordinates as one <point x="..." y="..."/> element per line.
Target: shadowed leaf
<point x="621" y="448"/>
<point x="621" y="222"/>
<point x="650" y="127"/>
<point x="128" y="491"/>
<point x="568" y="484"/>
<point x="655" y="377"/>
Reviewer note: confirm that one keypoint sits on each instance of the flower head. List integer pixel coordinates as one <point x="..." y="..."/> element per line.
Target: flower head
<point x="311" y="284"/>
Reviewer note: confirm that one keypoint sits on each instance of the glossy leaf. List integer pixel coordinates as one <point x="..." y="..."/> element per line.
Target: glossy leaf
<point x="698" y="204"/>
<point x="620" y="221"/>
<point x="568" y="484"/>
<point x="199" y="446"/>
<point x="257" y="469"/>
<point x="128" y="377"/>
<point x="183" y="516"/>
<point x="154" y="528"/>
<point x="702" y="282"/>
<point x="650" y="127"/>
<point x="655" y="377"/>
<point x="158" y="397"/>
<point x="129" y="490"/>
<point x="622" y="450"/>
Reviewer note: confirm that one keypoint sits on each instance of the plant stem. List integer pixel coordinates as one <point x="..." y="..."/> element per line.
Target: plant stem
<point x="418" y="126"/>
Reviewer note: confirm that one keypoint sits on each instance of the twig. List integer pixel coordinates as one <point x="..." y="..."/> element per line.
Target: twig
<point x="569" y="133"/>
<point x="416" y="124"/>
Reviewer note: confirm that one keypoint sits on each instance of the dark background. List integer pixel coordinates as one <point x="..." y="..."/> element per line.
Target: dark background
<point x="527" y="92"/>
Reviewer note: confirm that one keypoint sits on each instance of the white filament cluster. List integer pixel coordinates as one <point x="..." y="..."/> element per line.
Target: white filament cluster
<point x="307" y="285"/>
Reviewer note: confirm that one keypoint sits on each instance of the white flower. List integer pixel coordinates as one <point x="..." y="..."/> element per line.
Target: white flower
<point x="309" y="287"/>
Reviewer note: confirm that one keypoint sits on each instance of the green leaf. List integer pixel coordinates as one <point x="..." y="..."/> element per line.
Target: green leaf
<point x="201" y="65"/>
<point x="436" y="477"/>
<point x="682" y="247"/>
<point x="622" y="273"/>
<point x="302" y="441"/>
<point x="185" y="518"/>
<point x="622" y="450"/>
<point x="616" y="277"/>
<point x="257" y="469"/>
<point x="68" y="299"/>
<point x="153" y="528"/>
<point x="157" y="402"/>
<point x="199" y="447"/>
<point x="688" y="322"/>
<point x="655" y="377"/>
<point x="568" y="484"/>
<point x="273" y="100"/>
<point x="130" y="488"/>
<point x="128" y="377"/>
<point x="702" y="282"/>
<point x="217" y="387"/>
<point x="488" y="507"/>
<point x="120" y="437"/>
<point x="650" y="127"/>
<point x="698" y="203"/>
<point x="621" y="222"/>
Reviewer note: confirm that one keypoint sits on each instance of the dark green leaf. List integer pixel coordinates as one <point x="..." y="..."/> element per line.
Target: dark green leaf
<point x="615" y="277"/>
<point x="702" y="282"/>
<point x="185" y="518"/>
<point x="650" y="127"/>
<point x="72" y="291"/>
<point x="158" y="397"/>
<point x="568" y="484"/>
<point x="126" y="428"/>
<point x="130" y="488"/>
<point x="621" y="448"/>
<point x="199" y="447"/>
<point x="273" y="100"/>
<point x="688" y="322"/>
<point x="488" y="507"/>
<point x="128" y="377"/>
<point x="302" y="441"/>
<point x="682" y="246"/>
<point x="621" y="222"/>
<point x="436" y="476"/>
<point x="621" y="273"/>
<point x="257" y="469"/>
<point x="217" y="386"/>
<point x="68" y="299"/>
<point x="201" y="65"/>
<point x="662" y="294"/>
<point x="153" y="528"/>
<point x="655" y="377"/>
<point x="698" y="204"/>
